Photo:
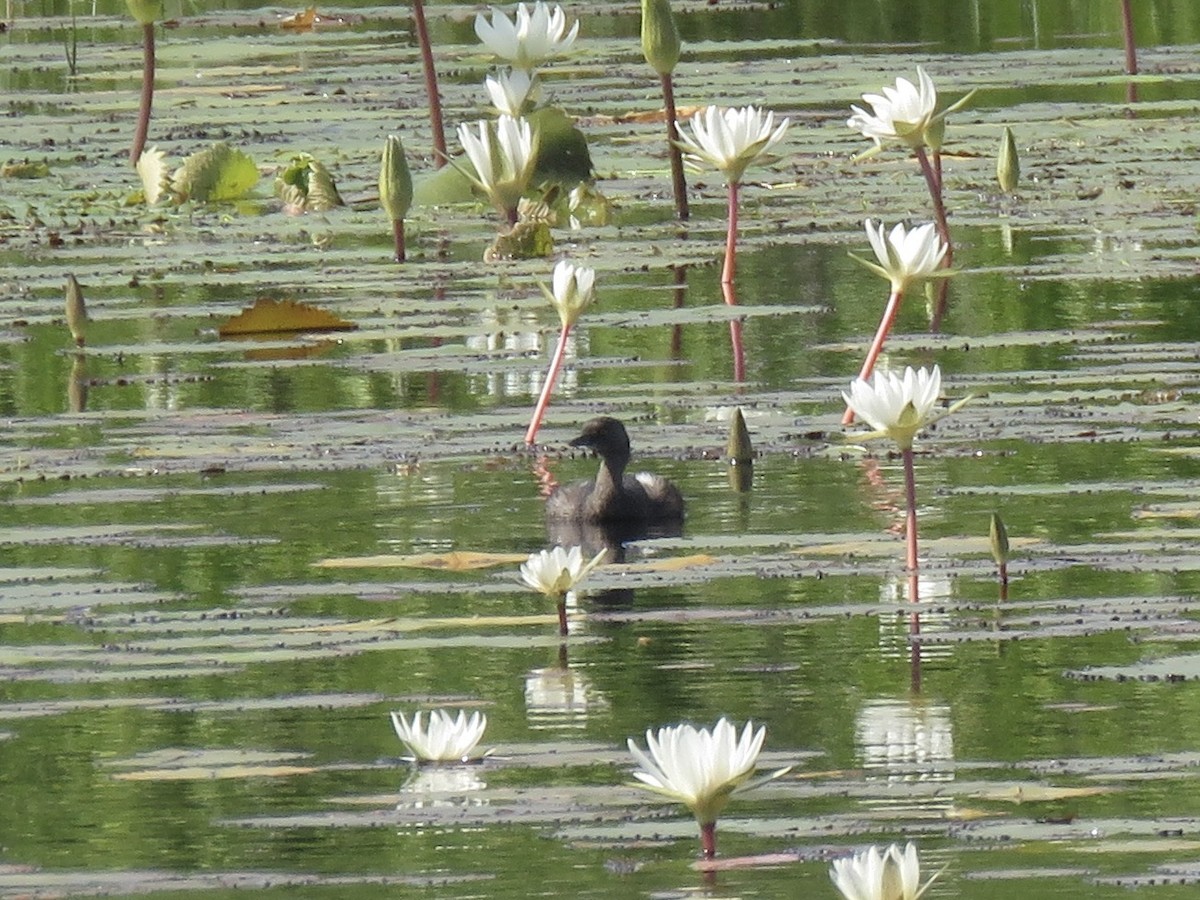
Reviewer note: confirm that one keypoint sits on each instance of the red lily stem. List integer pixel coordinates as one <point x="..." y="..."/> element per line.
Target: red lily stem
<point x="914" y="636"/>
<point x="910" y="519"/>
<point x="933" y="179"/>
<point x="1003" y="581"/>
<point x="511" y="216"/>
<point x="730" y="269"/>
<point x="1131" y="64"/>
<point x="398" y="233"/>
<point x="708" y="839"/>
<point x="562" y="615"/>
<point x="143" y="122"/>
<point x="881" y="333"/>
<point x="431" y="85"/>
<point x="548" y="387"/>
<point x="678" y="181"/>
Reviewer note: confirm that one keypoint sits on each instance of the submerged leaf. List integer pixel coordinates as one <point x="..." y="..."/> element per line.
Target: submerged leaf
<point x="268" y="316"/>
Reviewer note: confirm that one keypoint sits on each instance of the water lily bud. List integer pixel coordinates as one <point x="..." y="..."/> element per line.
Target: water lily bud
<point x="998" y="538"/>
<point x="1008" y="164"/>
<point x="660" y="37"/>
<point x="395" y="180"/>
<point x="76" y="310"/>
<point x="146" y="12"/>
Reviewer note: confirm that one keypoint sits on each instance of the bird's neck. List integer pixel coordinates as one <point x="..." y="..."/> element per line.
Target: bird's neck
<point x="612" y="474"/>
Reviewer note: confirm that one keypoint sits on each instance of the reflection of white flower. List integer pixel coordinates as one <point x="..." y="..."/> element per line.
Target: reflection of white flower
<point x="901" y="113"/>
<point x="528" y="39"/>
<point x="510" y="90"/>
<point x="699" y="768"/>
<point x="454" y="787"/>
<point x="894" y="874"/>
<point x="555" y="572"/>
<point x="559" y="697"/>
<point x="906" y="740"/>
<point x="730" y="139"/>
<point x="896" y="406"/>
<point x="444" y="739"/>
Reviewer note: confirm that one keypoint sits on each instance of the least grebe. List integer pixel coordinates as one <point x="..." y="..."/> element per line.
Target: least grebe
<point x="612" y="496"/>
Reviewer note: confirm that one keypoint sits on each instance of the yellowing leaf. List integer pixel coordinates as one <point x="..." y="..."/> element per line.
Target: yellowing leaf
<point x="204" y="773"/>
<point x="1036" y="793"/>
<point x="672" y="564"/>
<point x="268" y="316"/>
<point x="301" y="21"/>
<point x="454" y="561"/>
<point x="214" y="174"/>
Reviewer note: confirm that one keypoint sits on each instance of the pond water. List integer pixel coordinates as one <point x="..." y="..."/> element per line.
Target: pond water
<point x="226" y="561"/>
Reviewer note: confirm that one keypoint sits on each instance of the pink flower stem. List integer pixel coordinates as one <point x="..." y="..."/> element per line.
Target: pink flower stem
<point x="678" y="181"/>
<point x="398" y="234"/>
<point x="431" y="86"/>
<point x="147" y="100"/>
<point x="730" y="269"/>
<point x="881" y="333"/>
<point x="1131" y="63"/>
<point x="562" y="615"/>
<point x="933" y="179"/>
<point x="910" y="519"/>
<point x="708" y="839"/>
<point x="548" y="386"/>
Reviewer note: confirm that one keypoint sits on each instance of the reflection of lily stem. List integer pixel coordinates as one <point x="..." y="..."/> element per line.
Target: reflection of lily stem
<point x="881" y="333"/>
<point x="398" y="233"/>
<point x="910" y="519"/>
<point x="739" y="350"/>
<point x="143" y="123"/>
<point x="730" y="268"/>
<point x="678" y="182"/>
<point x="562" y="616"/>
<point x="708" y="839"/>
<point x="1131" y="65"/>
<point x="431" y="86"/>
<point x="933" y="179"/>
<point x="547" y="388"/>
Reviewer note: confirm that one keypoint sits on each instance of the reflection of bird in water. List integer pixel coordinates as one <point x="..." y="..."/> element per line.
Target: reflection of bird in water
<point x="613" y="497"/>
<point x="613" y="508"/>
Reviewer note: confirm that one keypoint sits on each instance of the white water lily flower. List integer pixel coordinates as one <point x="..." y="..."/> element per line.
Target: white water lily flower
<point x="445" y="739"/>
<point x="730" y="139"/>
<point x="502" y="156"/>
<point x="871" y="875"/>
<point x="555" y="572"/>
<point x="511" y="90"/>
<point x="699" y="768"/>
<point x="529" y="39"/>
<point x="906" y="255"/>
<point x="903" y="113"/>
<point x="896" y="406"/>
<point x="574" y="289"/>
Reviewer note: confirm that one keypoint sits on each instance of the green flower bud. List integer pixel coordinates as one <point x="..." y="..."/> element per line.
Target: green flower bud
<point x="660" y="37"/>
<point x="146" y="12"/>
<point x="395" y="180"/>
<point x="998" y="538"/>
<point x="1008" y="164"/>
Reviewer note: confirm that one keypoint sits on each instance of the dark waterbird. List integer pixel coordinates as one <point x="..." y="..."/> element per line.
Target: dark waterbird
<point x="613" y="498"/>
